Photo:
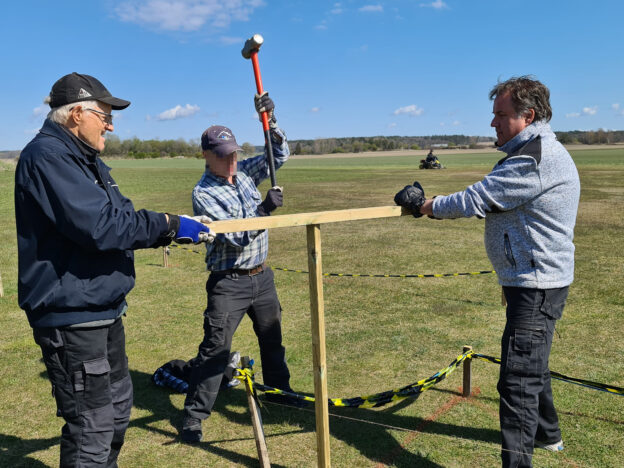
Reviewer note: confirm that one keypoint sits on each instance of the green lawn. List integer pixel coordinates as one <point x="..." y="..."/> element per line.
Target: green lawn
<point x="382" y="333"/>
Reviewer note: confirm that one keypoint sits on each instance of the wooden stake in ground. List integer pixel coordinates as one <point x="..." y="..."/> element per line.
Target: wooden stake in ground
<point x="467" y="374"/>
<point x="256" y="421"/>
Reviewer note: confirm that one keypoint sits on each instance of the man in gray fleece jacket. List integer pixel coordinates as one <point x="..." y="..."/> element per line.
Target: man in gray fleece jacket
<point x="529" y="201"/>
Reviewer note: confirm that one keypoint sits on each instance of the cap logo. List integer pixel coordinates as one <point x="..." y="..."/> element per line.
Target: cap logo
<point x="224" y="135"/>
<point x="83" y="93"/>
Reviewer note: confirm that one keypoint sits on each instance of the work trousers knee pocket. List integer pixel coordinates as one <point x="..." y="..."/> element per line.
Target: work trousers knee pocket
<point x="527" y="354"/>
<point x="96" y="416"/>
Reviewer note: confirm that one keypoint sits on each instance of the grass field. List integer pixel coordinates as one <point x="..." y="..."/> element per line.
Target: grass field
<point x="382" y="333"/>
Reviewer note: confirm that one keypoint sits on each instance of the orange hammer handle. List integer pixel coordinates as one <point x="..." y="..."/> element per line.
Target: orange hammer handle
<point x="256" y="69"/>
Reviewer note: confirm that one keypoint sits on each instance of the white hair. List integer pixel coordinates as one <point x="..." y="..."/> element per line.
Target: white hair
<point x="61" y="114"/>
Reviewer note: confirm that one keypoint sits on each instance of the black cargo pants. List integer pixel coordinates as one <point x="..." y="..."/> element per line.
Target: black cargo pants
<point x="88" y="369"/>
<point x="527" y="411"/>
<point x="230" y="297"/>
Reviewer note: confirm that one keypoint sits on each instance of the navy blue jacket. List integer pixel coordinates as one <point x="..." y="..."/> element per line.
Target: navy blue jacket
<point x="75" y="233"/>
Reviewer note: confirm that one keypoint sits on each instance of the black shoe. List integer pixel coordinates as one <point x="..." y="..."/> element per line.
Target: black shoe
<point x="285" y="400"/>
<point x="191" y="430"/>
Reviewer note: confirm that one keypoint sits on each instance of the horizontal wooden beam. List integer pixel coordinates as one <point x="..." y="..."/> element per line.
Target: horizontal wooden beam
<point x="304" y="219"/>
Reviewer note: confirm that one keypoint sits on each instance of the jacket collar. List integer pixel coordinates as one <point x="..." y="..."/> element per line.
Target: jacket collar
<point x="526" y="135"/>
<point x="75" y="144"/>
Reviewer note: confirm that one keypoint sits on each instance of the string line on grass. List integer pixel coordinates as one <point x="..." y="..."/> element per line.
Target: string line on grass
<point x="365" y="275"/>
<point x="487" y="445"/>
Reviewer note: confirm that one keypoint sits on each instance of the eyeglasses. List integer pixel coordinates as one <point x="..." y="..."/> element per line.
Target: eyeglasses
<point x="108" y="118"/>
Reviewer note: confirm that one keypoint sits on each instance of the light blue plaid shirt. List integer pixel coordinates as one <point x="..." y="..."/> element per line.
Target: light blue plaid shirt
<point x="215" y="197"/>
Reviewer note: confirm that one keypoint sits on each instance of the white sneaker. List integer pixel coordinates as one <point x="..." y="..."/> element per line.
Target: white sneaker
<point x="556" y="447"/>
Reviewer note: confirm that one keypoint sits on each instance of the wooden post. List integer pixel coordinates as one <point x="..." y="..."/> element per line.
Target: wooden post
<point x="165" y="256"/>
<point x="1" y="287"/>
<point x="467" y="374"/>
<point x="317" y="312"/>
<point x="256" y="421"/>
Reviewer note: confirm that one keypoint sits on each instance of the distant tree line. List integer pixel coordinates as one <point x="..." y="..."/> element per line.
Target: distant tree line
<point x="142" y="149"/>
<point x="381" y="143"/>
<point x="145" y="149"/>
<point x="591" y="137"/>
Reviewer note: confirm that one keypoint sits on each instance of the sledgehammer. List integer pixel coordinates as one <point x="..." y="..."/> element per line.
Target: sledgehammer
<point x="250" y="51"/>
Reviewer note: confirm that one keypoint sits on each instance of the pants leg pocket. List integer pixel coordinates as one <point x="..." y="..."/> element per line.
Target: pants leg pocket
<point x="527" y="352"/>
<point x="96" y="383"/>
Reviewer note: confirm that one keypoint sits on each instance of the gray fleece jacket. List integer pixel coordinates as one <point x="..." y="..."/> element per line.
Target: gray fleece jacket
<point x="529" y="202"/>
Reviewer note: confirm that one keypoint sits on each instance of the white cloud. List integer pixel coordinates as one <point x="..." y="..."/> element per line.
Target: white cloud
<point x="229" y="40"/>
<point x="186" y="15"/>
<point x="371" y="9"/>
<point x="178" y="112"/>
<point x="43" y="109"/>
<point x="456" y="123"/>
<point x="412" y="110"/>
<point x="315" y="109"/>
<point x="320" y="26"/>
<point x="392" y="125"/>
<point x="437" y="4"/>
<point x="337" y="9"/>
<point x="616" y="106"/>
<point x="590" y="110"/>
<point x="573" y="115"/>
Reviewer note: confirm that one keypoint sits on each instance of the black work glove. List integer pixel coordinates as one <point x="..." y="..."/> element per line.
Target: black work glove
<point x="274" y="199"/>
<point x="264" y="103"/>
<point x="411" y="197"/>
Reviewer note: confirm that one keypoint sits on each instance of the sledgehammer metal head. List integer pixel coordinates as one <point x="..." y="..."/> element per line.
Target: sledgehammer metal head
<point x="252" y="45"/>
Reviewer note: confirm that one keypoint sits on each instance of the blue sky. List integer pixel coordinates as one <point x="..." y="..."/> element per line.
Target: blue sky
<point x="334" y="69"/>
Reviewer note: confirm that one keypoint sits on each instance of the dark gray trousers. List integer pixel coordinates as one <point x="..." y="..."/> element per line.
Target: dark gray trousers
<point x="527" y="411"/>
<point x="230" y="297"/>
<point x="88" y="369"/>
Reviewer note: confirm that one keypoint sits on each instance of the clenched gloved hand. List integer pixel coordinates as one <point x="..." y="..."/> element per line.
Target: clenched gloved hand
<point x="264" y="103"/>
<point x="274" y="199"/>
<point x="411" y="197"/>
<point x="186" y="230"/>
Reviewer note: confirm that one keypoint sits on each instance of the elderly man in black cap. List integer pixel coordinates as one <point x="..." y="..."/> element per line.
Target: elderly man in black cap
<point x="240" y="282"/>
<point x="76" y="234"/>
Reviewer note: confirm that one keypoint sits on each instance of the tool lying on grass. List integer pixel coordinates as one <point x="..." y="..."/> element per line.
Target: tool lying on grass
<point x="250" y="51"/>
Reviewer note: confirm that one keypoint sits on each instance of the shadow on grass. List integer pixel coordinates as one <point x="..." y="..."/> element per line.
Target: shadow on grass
<point x="376" y="442"/>
<point x="14" y="451"/>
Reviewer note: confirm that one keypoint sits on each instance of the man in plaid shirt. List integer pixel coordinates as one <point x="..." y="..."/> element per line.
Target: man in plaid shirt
<point x="240" y="282"/>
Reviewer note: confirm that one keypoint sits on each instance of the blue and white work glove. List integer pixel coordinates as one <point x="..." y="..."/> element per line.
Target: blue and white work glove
<point x="186" y="230"/>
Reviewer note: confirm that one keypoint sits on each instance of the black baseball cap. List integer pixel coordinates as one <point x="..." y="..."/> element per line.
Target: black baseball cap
<point x="76" y="87"/>
<point x="220" y="140"/>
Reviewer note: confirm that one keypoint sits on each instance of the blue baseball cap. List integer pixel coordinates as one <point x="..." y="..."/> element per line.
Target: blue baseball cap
<point x="220" y="140"/>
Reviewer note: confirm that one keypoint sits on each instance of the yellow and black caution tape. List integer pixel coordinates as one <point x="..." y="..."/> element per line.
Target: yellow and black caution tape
<point x="362" y="275"/>
<point x="370" y="401"/>
<point x="412" y="390"/>
<point x="556" y="375"/>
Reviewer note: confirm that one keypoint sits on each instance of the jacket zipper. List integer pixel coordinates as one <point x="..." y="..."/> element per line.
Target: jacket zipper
<point x="509" y="252"/>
